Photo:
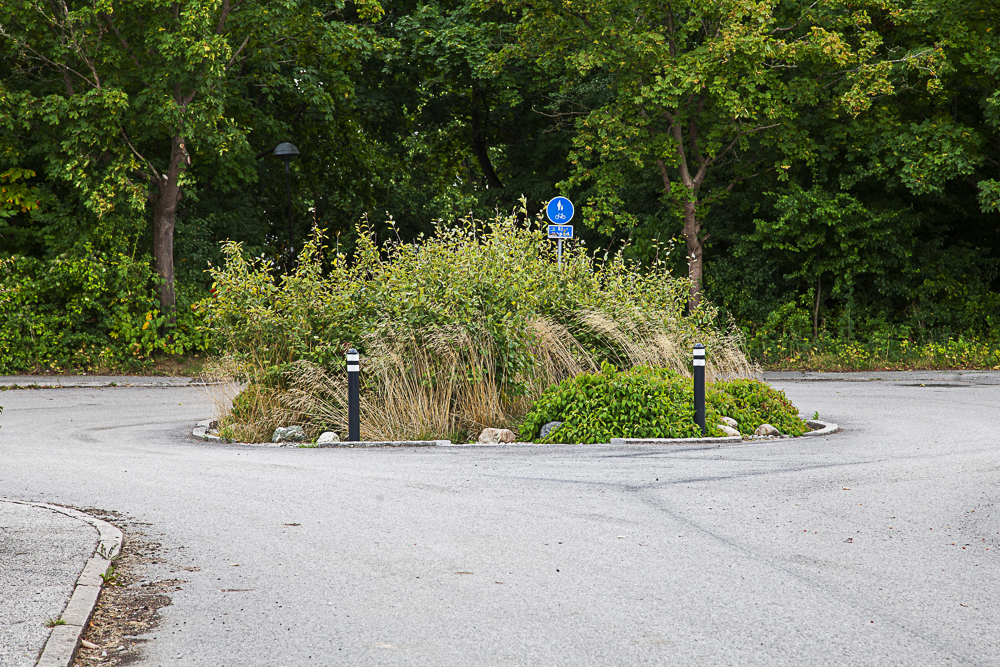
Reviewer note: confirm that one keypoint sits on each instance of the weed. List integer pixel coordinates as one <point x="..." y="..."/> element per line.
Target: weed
<point x="110" y="577"/>
<point x="53" y="622"/>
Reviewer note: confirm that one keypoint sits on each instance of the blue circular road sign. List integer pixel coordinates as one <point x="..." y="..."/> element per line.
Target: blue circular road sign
<point x="559" y="210"/>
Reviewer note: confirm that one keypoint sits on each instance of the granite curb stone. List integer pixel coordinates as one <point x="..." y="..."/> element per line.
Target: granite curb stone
<point x="60" y="648"/>
<point x="98" y="381"/>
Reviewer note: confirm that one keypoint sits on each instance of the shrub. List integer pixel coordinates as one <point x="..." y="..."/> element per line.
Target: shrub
<point x="752" y="403"/>
<point x="595" y="407"/>
<point x="652" y="403"/>
<point x="87" y="310"/>
<point x="457" y="332"/>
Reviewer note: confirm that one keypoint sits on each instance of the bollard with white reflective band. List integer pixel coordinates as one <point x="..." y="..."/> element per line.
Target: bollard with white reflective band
<point x="699" y="387"/>
<point x="353" y="396"/>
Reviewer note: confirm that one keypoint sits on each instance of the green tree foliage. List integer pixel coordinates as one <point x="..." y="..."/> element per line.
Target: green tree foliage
<point x="834" y="165"/>
<point x="697" y="85"/>
<point x="120" y="99"/>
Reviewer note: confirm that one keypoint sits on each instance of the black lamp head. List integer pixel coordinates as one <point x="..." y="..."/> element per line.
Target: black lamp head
<point x="285" y="151"/>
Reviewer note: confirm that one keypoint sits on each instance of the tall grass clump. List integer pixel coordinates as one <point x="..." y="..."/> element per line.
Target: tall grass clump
<point x="458" y="331"/>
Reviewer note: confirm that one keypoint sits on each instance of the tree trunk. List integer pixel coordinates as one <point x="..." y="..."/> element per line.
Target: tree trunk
<point x="479" y="146"/>
<point x="692" y="228"/>
<point x="168" y="194"/>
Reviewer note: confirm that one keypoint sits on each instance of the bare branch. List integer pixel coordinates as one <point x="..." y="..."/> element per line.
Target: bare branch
<point x="231" y="60"/>
<point x="124" y="42"/>
<point x="156" y="174"/>
<point x="791" y="27"/>
<point x="223" y="15"/>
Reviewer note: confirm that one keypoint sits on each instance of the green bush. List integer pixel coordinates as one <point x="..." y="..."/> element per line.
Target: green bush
<point x="652" y="403"/>
<point x="752" y="403"/>
<point x="87" y="310"/>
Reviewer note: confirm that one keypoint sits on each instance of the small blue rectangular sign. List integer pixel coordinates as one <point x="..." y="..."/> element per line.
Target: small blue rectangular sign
<point x="560" y="231"/>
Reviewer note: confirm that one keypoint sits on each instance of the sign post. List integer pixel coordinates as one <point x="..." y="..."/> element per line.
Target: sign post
<point x="559" y="211"/>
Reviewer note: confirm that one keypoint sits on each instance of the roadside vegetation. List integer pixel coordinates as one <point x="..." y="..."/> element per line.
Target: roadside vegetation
<point x="645" y="402"/>
<point x="824" y="174"/>
<point x="459" y="331"/>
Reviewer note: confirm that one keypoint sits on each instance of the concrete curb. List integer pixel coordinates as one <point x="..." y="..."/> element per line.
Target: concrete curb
<point x="65" y="639"/>
<point x="677" y="441"/>
<point x="201" y="431"/>
<point x="821" y="428"/>
<point x="57" y="383"/>
<point x="384" y="443"/>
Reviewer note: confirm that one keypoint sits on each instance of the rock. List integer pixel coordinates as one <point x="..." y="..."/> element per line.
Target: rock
<point x="288" y="434"/>
<point x="730" y="422"/>
<point x="327" y="438"/>
<point x="548" y="428"/>
<point x="766" y="429"/>
<point x="728" y="430"/>
<point x="494" y="436"/>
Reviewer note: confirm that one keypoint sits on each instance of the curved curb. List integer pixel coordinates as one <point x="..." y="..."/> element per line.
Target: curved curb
<point x="60" y="648"/>
<point x="677" y="441"/>
<point x="201" y="431"/>
<point x="822" y="428"/>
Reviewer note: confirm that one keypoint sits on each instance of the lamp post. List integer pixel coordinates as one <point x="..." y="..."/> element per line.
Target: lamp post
<point x="287" y="152"/>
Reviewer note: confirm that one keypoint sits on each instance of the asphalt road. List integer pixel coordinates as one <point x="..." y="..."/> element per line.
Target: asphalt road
<point x="875" y="546"/>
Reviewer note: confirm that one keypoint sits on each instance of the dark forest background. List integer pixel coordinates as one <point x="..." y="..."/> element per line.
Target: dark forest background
<point x="850" y="200"/>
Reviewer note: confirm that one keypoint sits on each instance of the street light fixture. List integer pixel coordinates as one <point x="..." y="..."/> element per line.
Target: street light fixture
<point x="287" y="152"/>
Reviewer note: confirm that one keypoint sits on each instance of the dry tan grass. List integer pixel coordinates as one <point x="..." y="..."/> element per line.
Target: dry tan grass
<point x="262" y="409"/>
<point x="643" y="342"/>
<point x="443" y="383"/>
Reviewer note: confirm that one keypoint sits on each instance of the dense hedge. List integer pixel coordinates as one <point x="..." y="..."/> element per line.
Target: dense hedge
<point x="87" y="310"/>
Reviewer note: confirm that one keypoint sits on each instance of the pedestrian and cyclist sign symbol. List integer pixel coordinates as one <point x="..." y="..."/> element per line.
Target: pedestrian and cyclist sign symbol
<point x="559" y="211"/>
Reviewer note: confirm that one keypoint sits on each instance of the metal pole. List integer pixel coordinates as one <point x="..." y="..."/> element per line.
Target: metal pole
<point x="288" y="205"/>
<point x="699" y="387"/>
<point x="560" y="254"/>
<point x="353" y="396"/>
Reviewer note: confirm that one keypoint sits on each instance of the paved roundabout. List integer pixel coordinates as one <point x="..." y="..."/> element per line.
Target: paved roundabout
<point x="873" y="546"/>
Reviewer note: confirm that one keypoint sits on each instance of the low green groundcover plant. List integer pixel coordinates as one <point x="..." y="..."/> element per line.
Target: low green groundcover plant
<point x="645" y="402"/>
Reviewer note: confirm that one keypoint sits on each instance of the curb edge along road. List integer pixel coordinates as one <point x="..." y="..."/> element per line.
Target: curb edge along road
<point x="98" y="382"/>
<point x="820" y="428"/>
<point x="60" y="648"/>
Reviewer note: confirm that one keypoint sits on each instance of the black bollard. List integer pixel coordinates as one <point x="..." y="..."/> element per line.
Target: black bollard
<point x="699" y="387"/>
<point x="353" y="396"/>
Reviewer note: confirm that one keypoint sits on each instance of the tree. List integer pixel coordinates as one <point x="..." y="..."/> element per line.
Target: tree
<point x="699" y="85"/>
<point x="121" y="97"/>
